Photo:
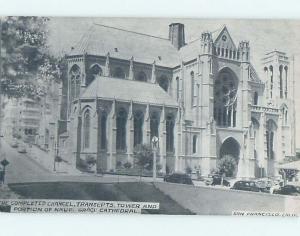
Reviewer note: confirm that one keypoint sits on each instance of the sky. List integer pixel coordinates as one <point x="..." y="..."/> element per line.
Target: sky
<point x="263" y="35"/>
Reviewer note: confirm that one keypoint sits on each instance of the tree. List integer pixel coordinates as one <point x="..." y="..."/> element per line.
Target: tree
<point x="25" y="57"/>
<point x="143" y="156"/>
<point x="227" y="165"/>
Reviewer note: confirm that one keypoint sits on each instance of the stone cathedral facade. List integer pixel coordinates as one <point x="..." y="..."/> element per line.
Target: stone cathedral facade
<point x="202" y="99"/>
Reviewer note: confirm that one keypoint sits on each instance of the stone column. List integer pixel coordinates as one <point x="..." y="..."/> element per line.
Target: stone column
<point x="78" y="139"/>
<point x="131" y="72"/>
<point x="162" y="139"/>
<point x="100" y="168"/>
<point x="263" y="143"/>
<point x="278" y="144"/>
<point x="130" y="134"/>
<point x="177" y="141"/>
<point x="107" y="66"/>
<point x="112" y="134"/>
<point x="153" y="73"/>
<point x="146" y="126"/>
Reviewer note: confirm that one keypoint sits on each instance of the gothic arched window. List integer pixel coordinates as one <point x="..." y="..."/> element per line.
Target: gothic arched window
<point x="103" y="121"/>
<point x="121" y="130"/>
<point x="280" y="81"/>
<point x="255" y="98"/>
<point x="286" y="81"/>
<point x="177" y="88"/>
<point x="194" y="144"/>
<point x="192" y="88"/>
<point x="142" y="76"/>
<point x="75" y="82"/>
<point x="138" y="128"/>
<point x="86" y="129"/>
<point x="170" y="133"/>
<point x="255" y="124"/>
<point x="271" y="129"/>
<point x="164" y="83"/>
<point x="284" y="115"/>
<point x="225" y="98"/>
<point x="94" y="71"/>
<point x="154" y="124"/>
<point x="271" y="81"/>
<point x="119" y="73"/>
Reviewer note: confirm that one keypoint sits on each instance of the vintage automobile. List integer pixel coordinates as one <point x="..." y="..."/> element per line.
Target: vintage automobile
<point x="22" y="148"/>
<point x="179" y="178"/>
<point x="247" y="185"/>
<point x="217" y="180"/>
<point x="289" y="189"/>
<point x="268" y="185"/>
<point x="14" y="144"/>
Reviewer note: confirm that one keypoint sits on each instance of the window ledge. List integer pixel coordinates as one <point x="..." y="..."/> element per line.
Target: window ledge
<point x="121" y="151"/>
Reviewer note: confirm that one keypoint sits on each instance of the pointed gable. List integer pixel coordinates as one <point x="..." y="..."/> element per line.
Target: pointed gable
<point x="253" y="76"/>
<point x="223" y="39"/>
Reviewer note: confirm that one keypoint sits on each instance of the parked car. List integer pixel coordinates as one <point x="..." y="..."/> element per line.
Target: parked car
<point x="22" y="149"/>
<point x="247" y="185"/>
<point x="217" y="180"/>
<point x="289" y="190"/>
<point x="268" y="185"/>
<point x="14" y="144"/>
<point x="179" y="178"/>
<point x="208" y="180"/>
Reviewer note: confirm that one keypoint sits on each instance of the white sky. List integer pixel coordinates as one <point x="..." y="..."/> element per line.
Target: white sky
<point x="264" y="36"/>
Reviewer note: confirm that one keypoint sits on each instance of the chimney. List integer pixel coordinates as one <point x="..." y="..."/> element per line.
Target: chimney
<point x="176" y="35"/>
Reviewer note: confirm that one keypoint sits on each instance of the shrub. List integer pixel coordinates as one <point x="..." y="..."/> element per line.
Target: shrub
<point x="90" y="160"/>
<point x="127" y="165"/>
<point x="119" y="164"/>
<point x="158" y="167"/>
<point x="58" y="159"/>
<point x="188" y="170"/>
<point x="143" y="156"/>
<point x="227" y="165"/>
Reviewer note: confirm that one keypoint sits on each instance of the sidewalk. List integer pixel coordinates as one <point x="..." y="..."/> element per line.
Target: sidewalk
<point x="46" y="159"/>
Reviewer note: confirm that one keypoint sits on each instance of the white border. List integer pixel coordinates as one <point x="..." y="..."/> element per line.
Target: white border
<point x="46" y="225"/>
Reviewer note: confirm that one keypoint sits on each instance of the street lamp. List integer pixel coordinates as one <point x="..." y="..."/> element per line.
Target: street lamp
<point x="55" y="156"/>
<point x="4" y="163"/>
<point x="155" y="145"/>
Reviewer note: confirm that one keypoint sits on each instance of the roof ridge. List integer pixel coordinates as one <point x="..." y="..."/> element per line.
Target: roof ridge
<point x="82" y="38"/>
<point x="194" y="40"/>
<point x="128" y="80"/>
<point x="219" y="29"/>
<point x="130" y="31"/>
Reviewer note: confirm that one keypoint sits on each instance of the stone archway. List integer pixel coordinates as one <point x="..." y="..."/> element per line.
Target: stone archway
<point x="230" y="147"/>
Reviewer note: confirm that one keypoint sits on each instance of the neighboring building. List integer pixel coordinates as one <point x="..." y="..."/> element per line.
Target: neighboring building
<point x="34" y="120"/>
<point x="11" y="114"/>
<point x="204" y="100"/>
<point x="47" y="133"/>
<point x="22" y="119"/>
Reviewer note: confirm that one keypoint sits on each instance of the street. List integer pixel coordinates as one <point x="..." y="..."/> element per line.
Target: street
<point x="29" y="179"/>
<point x="25" y="169"/>
<point x="21" y="168"/>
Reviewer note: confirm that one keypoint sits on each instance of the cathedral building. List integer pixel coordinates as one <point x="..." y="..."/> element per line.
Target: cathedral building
<point x="204" y="100"/>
